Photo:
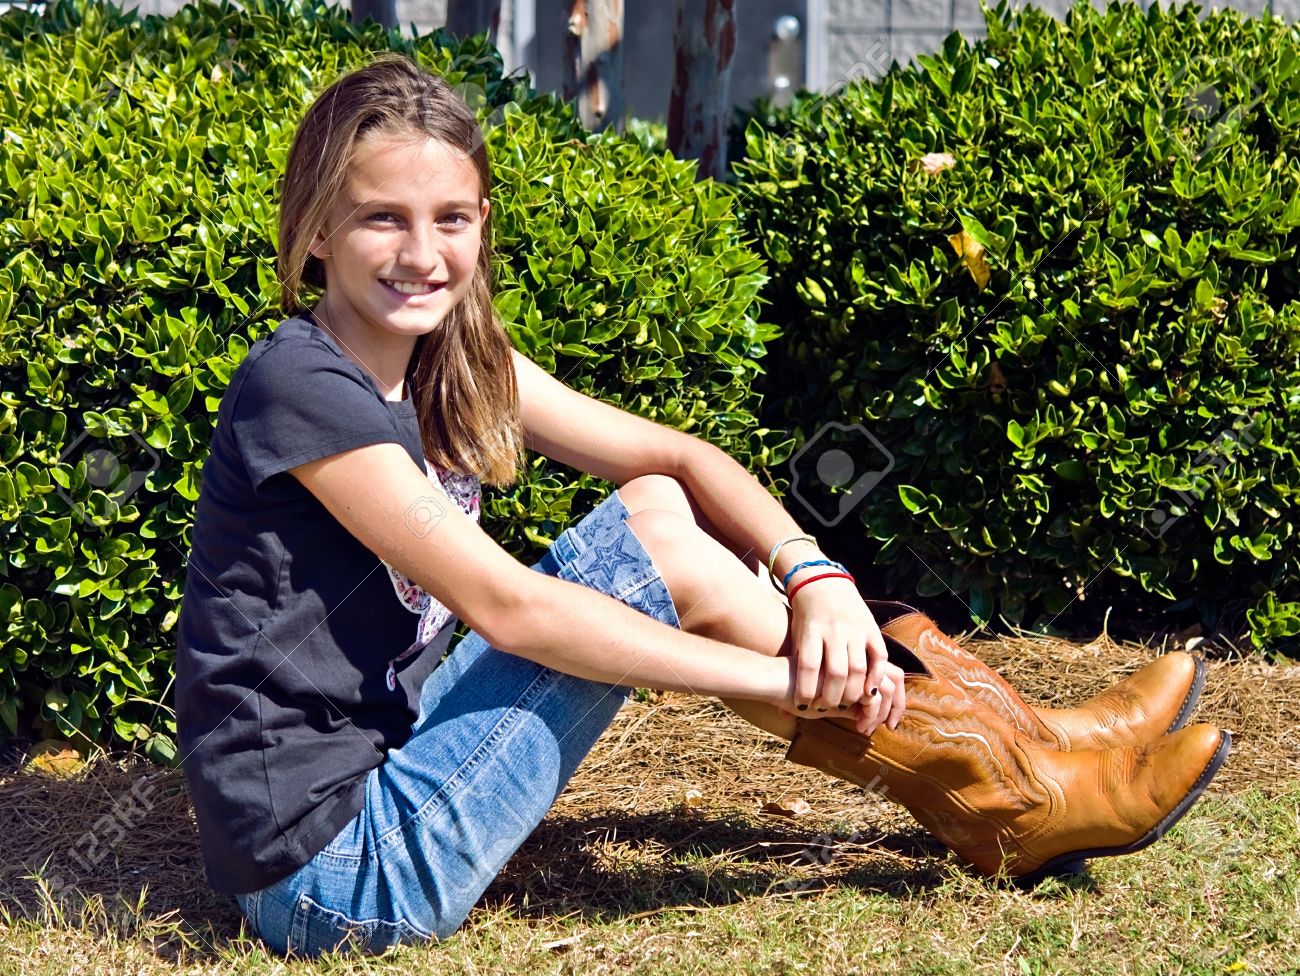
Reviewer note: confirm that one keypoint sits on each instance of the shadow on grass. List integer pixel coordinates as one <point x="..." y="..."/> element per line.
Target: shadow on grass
<point x="605" y="867"/>
<point x="124" y="836"/>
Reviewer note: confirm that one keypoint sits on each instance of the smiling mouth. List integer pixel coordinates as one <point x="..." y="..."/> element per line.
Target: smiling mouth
<point x="414" y="287"/>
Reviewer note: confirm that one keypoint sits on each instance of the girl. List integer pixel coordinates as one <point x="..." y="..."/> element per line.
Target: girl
<point x="343" y="787"/>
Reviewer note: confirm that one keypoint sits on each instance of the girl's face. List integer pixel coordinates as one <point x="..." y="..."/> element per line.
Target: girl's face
<point x="402" y="241"/>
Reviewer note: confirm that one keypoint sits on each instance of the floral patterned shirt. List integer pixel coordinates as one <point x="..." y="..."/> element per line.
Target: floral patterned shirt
<point x="466" y="491"/>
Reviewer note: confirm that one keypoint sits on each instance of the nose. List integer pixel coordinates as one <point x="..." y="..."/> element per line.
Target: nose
<point x="419" y="252"/>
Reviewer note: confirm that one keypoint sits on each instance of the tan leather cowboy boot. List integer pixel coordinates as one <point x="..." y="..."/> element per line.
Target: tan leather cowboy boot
<point x="1153" y="701"/>
<point x="1001" y="800"/>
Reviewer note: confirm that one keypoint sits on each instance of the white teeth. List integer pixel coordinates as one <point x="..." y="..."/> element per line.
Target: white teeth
<point x="411" y="287"/>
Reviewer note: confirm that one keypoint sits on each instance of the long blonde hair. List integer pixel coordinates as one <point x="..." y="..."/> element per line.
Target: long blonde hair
<point x="461" y="375"/>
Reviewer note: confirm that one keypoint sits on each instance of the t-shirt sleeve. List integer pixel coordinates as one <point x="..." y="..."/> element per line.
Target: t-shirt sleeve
<point x="300" y="402"/>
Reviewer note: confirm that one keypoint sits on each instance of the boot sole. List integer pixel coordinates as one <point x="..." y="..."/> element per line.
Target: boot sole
<point x="1193" y="696"/>
<point x="1072" y="861"/>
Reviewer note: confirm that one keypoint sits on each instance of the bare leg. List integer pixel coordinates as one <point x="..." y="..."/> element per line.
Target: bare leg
<point x="716" y="594"/>
<point x="670" y="495"/>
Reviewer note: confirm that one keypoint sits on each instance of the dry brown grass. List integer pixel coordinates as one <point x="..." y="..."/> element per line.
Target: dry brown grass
<point x="623" y="843"/>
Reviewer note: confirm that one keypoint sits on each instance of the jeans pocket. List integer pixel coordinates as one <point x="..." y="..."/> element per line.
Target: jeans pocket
<point x="316" y="929"/>
<point x="248" y="905"/>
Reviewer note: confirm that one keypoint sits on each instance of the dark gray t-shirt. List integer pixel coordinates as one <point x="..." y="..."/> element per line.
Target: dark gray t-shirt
<point x="300" y="654"/>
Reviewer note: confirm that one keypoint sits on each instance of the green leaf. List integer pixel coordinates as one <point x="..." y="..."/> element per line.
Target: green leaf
<point x="992" y="242"/>
<point x="1071" y="470"/>
<point x="38" y="377"/>
<point x="178" y="397"/>
<point x="913" y="499"/>
<point x="936" y="71"/>
<point x="814" y="292"/>
<point x="161" y="749"/>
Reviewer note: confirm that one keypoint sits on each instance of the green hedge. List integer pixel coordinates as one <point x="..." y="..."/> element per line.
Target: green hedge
<point x="139" y="162"/>
<point x="1110" y="418"/>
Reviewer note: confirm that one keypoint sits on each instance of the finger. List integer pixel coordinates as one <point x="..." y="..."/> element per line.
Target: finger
<point x="870" y="699"/>
<point x="835" y="671"/>
<point x="871" y="711"/>
<point x="863" y="718"/>
<point x="859" y="716"/>
<point x="898" y="703"/>
<point x="881" y="702"/>
<point x="809" y="671"/>
<point x="856" y="682"/>
<point x="876" y="649"/>
<point x="877" y="662"/>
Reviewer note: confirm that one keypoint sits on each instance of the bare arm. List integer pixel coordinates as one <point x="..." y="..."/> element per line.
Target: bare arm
<point x="840" y="652"/>
<point x="741" y="508"/>
<point x="383" y="499"/>
<point x="618" y="446"/>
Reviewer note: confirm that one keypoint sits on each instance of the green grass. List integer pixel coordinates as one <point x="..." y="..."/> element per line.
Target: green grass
<point x="1219" y="895"/>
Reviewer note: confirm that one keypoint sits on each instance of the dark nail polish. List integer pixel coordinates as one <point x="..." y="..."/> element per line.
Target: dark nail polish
<point x="821" y="709"/>
<point x="875" y="692"/>
<point x="802" y="708"/>
<point x="842" y="708"/>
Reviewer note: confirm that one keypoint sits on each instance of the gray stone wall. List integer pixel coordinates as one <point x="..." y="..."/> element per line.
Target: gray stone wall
<point x="864" y="36"/>
<point x="425" y="14"/>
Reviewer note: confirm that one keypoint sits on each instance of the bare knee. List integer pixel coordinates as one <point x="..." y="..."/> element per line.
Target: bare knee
<point x="656" y="491"/>
<point x="667" y="494"/>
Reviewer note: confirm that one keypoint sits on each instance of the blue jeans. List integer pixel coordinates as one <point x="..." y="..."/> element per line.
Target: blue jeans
<point x="497" y="738"/>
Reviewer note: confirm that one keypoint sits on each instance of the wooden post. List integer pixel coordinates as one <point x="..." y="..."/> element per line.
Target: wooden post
<point x="383" y="12"/>
<point x="700" y="106"/>
<point x="593" y="62"/>
<point x="466" y="17"/>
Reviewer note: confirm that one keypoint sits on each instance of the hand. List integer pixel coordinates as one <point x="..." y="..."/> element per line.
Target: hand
<point x="892" y="698"/>
<point x="839" y="657"/>
<point x="866" y="715"/>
